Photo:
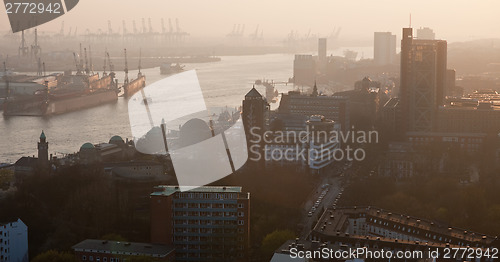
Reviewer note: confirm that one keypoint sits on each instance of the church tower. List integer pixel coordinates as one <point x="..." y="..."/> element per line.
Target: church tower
<point x="43" y="150"/>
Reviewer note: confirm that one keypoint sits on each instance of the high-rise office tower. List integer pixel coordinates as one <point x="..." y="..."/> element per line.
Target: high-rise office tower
<point x="423" y="81"/>
<point x="384" y="48"/>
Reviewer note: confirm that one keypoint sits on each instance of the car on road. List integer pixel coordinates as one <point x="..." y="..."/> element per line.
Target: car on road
<point x="309" y="214"/>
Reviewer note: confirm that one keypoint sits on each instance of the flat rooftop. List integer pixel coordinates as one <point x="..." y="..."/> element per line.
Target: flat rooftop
<point x="123" y="248"/>
<point x="333" y="221"/>
<point x="170" y="190"/>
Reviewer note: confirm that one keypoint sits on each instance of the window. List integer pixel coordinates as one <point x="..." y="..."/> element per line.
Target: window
<point x="84" y="258"/>
<point x="104" y="259"/>
<point x="91" y="258"/>
<point x="241" y="222"/>
<point x="241" y="214"/>
<point x="240" y="205"/>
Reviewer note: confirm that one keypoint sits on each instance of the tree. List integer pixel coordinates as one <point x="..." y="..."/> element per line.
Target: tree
<point x="6" y="177"/>
<point x="274" y="240"/>
<point x="55" y="256"/>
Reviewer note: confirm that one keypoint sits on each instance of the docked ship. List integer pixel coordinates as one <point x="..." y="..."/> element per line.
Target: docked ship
<point x="71" y="93"/>
<point x="170" y="68"/>
<point x="132" y="87"/>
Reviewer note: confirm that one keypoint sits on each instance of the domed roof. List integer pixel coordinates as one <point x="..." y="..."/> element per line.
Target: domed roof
<point x="116" y="139"/>
<point x="87" y="146"/>
<point x="194" y="131"/>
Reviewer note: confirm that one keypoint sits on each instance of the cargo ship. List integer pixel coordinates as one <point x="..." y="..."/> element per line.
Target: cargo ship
<point x="72" y="93"/>
<point x="132" y="87"/>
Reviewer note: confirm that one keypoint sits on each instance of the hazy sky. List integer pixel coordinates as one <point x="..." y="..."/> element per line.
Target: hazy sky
<point x="454" y="20"/>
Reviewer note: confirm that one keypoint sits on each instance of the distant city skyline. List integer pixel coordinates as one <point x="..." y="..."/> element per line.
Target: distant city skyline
<point x="451" y="20"/>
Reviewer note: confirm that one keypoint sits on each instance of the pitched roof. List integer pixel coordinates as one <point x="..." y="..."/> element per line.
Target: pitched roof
<point x="253" y="93"/>
<point x="26" y="161"/>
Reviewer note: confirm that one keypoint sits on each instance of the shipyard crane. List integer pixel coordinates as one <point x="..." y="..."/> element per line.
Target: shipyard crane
<point x="90" y="58"/>
<point x="135" y="27"/>
<point x="81" y="58"/>
<point x="78" y="71"/>
<point x="35" y="47"/>
<point x="87" y="70"/>
<point x="163" y="29"/>
<point x="139" y="67"/>
<point x="111" y="67"/>
<point x="125" y="81"/>
<point x="124" y="28"/>
<point x="70" y="29"/>
<point x="23" y="49"/>
<point x="143" y="26"/>
<point x="104" y="64"/>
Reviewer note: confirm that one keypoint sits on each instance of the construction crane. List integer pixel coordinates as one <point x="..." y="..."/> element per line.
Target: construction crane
<point x="70" y="29"/>
<point x="76" y="30"/>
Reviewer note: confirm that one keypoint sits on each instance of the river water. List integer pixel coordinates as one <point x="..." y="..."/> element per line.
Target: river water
<point x="224" y="83"/>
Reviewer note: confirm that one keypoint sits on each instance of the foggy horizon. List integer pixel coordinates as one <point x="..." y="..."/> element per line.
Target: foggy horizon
<point x="454" y="21"/>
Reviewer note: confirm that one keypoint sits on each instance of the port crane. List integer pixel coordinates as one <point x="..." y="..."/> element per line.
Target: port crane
<point x="150" y="26"/>
<point x="134" y="26"/>
<point x="124" y="28"/>
<point x="163" y="29"/>
<point x="144" y="26"/>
